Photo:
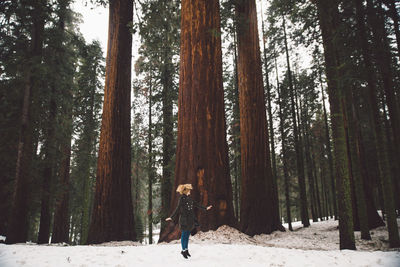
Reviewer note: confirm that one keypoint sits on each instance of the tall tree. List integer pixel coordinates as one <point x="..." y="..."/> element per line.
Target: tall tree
<point x="271" y="128"/>
<point x="57" y="85"/>
<point x="284" y="153"/>
<point x="257" y="205"/>
<point x="18" y="221"/>
<point x="329" y="22"/>
<point x="202" y="152"/>
<point x="150" y="167"/>
<point x="378" y="134"/>
<point x="112" y="217"/>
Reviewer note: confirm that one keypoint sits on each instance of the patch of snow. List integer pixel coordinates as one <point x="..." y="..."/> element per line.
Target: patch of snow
<point x="317" y="245"/>
<point x="2" y="238"/>
<point x="202" y="255"/>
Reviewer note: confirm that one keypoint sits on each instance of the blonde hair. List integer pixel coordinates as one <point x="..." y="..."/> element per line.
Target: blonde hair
<point x="184" y="188"/>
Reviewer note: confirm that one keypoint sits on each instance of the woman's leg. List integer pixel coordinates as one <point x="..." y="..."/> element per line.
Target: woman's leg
<point x="183" y="240"/>
<point x="187" y="239"/>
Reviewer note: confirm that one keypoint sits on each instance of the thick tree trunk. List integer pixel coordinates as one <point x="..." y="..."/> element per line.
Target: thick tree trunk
<point x="202" y="151"/>
<point x="258" y="210"/>
<point x="298" y="144"/>
<point x="328" y="20"/>
<point x="18" y="221"/>
<point x="112" y="217"/>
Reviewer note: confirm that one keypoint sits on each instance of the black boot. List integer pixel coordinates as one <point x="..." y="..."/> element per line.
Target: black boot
<point x="187" y="253"/>
<point x="184" y="254"/>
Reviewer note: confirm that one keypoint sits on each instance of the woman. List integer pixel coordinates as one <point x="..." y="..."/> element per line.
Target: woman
<point x="186" y="215"/>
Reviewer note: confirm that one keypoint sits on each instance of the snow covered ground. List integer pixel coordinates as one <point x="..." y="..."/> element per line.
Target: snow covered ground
<point x="313" y="246"/>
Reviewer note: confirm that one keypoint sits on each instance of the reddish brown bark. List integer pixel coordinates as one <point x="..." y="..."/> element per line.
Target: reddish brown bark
<point x="202" y="152"/>
<point x="112" y="217"/>
<point x="257" y="205"/>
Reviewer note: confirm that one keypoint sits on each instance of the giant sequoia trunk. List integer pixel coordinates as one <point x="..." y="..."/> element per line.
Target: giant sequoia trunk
<point x="328" y="21"/>
<point x="202" y="152"/>
<point x="112" y="217"/>
<point x="257" y="211"/>
<point x="18" y="221"/>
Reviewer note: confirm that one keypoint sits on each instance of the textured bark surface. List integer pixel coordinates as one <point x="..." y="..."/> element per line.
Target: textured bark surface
<point x="112" y="217"/>
<point x="202" y="152"/>
<point x="257" y="206"/>
<point x="18" y="221"/>
<point x="328" y="21"/>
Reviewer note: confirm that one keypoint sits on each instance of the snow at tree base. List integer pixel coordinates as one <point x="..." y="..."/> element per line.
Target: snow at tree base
<point x="313" y="246"/>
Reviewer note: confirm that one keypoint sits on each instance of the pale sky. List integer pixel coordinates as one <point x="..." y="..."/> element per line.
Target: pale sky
<point x="95" y="22"/>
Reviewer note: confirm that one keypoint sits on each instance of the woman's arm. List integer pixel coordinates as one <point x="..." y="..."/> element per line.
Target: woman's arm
<point x="197" y="205"/>
<point x="176" y="209"/>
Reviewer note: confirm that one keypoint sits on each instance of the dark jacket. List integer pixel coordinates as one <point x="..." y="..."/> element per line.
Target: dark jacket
<point x="186" y="214"/>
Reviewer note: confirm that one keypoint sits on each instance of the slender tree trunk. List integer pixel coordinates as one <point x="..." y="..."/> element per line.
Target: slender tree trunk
<point x="61" y="223"/>
<point x="284" y="155"/>
<point x="150" y="168"/>
<point x="258" y="210"/>
<point x="271" y="128"/>
<point x="299" y="158"/>
<point x="168" y="138"/>
<point x="328" y="20"/>
<point x="17" y="231"/>
<point x="358" y="178"/>
<point x="202" y="151"/>
<point x="236" y="132"/>
<point x="112" y="216"/>
<point x="329" y="152"/>
<point x="50" y="146"/>
<point x="317" y="191"/>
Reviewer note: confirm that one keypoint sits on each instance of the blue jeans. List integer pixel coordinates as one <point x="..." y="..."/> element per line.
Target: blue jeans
<point x="185" y="239"/>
